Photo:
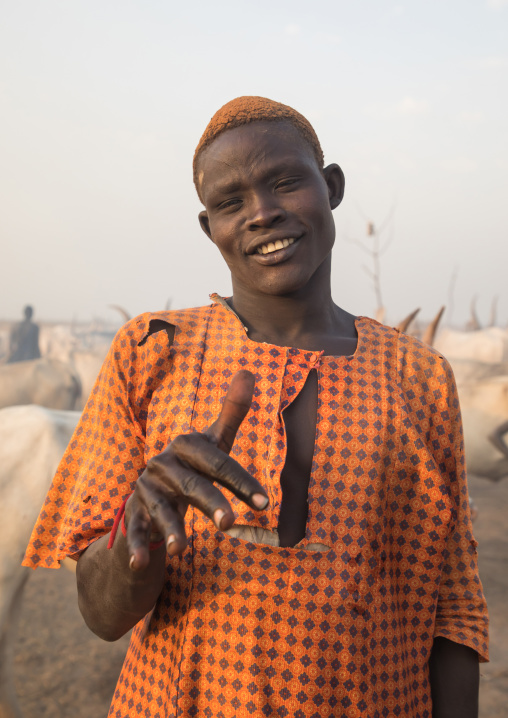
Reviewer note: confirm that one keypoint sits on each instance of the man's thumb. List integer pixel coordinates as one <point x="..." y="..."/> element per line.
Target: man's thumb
<point x="234" y="410"/>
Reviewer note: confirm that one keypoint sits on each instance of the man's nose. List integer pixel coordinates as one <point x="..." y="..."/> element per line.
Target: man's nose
<point x="266" y="211"/>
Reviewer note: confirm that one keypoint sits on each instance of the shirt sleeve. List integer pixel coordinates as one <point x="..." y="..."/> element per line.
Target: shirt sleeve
<point x="461" y="609"/>
<point x="105" y="456"/>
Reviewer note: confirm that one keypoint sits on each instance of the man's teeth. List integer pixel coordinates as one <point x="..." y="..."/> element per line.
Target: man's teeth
<point x="274" y="246"/>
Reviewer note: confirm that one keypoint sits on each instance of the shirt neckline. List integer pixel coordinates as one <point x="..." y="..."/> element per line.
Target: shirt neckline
<point x="359" y="325"/>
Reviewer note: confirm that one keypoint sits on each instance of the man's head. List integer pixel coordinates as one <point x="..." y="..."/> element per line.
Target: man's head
<point x="247" y="109"/>
<point x="268" y="199"/>
<point x="28" y="311"/>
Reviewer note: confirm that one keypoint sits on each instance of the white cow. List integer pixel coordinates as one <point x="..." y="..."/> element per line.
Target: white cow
<point x="484" y="345"/>
<point x="57" y="341"/>
<point x="479" y="360"/>
<point x="468" y="371"/>
<point x="47" y="382"/>
<point x="32" y="441"/>
<point x="87" y="365"/>
<point x="484" y="406"/>
<point x="483" y="394"/>
<point x="83" y="350"/>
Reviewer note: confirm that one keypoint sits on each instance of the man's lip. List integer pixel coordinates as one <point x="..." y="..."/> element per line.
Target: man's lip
<point x="253" y="249"/>
<point x="280" y="255"/>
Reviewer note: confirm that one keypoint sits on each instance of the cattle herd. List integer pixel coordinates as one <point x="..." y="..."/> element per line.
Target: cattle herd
<point x="41" y="400"/>
<point x="40" y="404"/>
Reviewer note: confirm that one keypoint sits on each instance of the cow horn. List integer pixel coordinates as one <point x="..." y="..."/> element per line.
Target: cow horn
<point x="430" y="333"/>
<point x="473" y="324"/>
<point x="404" y="324"/>
<point x="122" y="311"/>
<point x="493" y="312"/>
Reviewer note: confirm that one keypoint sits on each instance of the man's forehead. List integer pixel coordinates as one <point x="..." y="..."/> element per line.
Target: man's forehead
<point x="256" y="142"/>
<point x="281" y="132"/>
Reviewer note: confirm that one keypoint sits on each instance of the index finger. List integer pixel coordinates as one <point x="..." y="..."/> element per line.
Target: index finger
<point x="234" y="410"/>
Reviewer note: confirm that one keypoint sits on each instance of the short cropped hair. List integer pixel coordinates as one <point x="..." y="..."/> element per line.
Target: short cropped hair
<point x="250" y="108"/>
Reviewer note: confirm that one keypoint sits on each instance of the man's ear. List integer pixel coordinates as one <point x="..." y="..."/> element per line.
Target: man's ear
<point x="335" y="181"/>
<point x="205" y="223"/>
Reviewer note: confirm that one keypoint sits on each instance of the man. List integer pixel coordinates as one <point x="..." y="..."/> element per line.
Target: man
<point x="298" y="542"/>
<point x="24" y="339"/>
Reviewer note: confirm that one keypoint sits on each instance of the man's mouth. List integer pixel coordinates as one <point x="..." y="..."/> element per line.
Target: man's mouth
<point x="274" y="246"/>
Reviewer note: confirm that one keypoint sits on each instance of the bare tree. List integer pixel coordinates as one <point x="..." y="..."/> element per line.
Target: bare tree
<point x="375" y="248"/>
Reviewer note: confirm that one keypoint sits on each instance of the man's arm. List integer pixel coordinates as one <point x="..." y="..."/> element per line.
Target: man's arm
<point x="112" y="598"/>
<point x="117" y="587"/>
<point x="454" y="680"/>
<point x="461" y="622"/>
<point x="461" y="610"/>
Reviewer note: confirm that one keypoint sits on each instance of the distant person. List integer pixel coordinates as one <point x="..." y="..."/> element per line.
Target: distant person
<point x="24" y="339"/>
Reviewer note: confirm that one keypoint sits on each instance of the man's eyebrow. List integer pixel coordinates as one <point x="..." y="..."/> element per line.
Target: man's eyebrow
<point x="285" y="164"/>
<point x="226" y="187"/>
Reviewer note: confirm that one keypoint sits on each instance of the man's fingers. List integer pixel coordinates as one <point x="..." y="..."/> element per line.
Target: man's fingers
<point x="162" y="506"/>
<point x="185" y="486"/>
<point x="158" y="516"/>
<point x="234" y="410"/>
<point x="138" y="530"/>
<point x="183" y="474"/>
<point x="207" y="459"/>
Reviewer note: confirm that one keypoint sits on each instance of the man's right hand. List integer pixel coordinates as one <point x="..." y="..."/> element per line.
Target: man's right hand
<point x="185" y="473"/>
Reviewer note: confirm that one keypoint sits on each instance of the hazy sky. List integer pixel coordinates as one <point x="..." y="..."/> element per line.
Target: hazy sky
<point x="102" y="103"/>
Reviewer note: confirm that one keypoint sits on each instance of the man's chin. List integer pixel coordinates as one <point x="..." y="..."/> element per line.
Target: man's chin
<point x="278" y="289"/>
<point x="283" y="280"/>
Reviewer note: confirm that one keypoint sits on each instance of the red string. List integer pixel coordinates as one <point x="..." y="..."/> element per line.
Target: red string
<point x="118" y="518"/>
<point x="120" y="521"/>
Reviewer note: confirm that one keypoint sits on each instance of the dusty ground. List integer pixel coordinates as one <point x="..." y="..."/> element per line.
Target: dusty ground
<point x="64" y="671"/>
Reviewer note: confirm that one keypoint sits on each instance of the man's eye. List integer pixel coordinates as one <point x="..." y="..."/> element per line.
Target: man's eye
<point x="230" y="203"/>
<point x="287" y="182"/>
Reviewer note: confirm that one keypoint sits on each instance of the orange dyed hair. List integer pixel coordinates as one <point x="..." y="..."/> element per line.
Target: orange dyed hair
<point x="250" y="108"/>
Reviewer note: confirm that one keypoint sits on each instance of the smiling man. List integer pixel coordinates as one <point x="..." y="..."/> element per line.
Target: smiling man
<point x="288" y="479"/>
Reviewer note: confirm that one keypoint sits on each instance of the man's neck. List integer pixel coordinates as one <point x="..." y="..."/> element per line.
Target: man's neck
<point x="308" y="318"/>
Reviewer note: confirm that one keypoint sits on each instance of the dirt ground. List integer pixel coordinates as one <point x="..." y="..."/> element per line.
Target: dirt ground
<point x="63" y="671"/>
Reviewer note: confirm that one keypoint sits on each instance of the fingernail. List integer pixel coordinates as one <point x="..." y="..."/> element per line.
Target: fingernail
<point x="132" y="562"/>
<point x="218" y="516"/>
<point x="171" y="540"/>
<point x="259" y="501"/>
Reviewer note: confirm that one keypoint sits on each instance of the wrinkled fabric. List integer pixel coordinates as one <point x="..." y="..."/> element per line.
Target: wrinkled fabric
<point x="249" y="629"/>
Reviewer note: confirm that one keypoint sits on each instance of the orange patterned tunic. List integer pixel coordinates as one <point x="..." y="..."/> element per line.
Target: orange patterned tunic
<point x="243" y="629"/>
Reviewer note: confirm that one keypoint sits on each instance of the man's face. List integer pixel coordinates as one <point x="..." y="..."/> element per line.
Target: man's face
<point x="268" y="206"/>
